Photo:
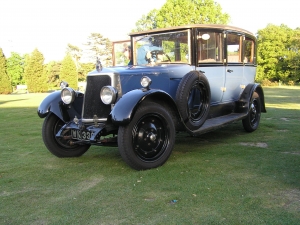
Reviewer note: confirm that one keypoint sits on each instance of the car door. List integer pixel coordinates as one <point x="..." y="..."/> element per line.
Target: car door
<point x="234" y="67"/>
<point x="210" y="61"/>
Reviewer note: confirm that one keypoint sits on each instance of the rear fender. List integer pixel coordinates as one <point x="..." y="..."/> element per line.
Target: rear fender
<point x="53" y="104"/>
<point x="247" y="94"/>
<point x="124" y="109"/>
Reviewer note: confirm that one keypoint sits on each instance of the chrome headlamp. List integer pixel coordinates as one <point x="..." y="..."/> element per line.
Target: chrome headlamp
<point x="67" y="95"/>
<point x="146" y="82"/>
<point x="108" y="95"/>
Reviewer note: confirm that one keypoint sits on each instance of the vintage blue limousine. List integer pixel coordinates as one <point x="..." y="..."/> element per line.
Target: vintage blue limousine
<point x="194" y="78"/>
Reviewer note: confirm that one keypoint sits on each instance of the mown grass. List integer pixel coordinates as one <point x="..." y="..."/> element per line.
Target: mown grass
<point x="224" y="177"/>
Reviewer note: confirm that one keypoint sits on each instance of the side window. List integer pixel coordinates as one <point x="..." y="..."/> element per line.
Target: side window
<point x="210" y="47"/>
<point x="249" y="50"/>
<point x="234" y="48"/>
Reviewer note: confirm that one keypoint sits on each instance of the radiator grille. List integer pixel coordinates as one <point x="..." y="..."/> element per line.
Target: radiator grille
<point x="92" y="102"/>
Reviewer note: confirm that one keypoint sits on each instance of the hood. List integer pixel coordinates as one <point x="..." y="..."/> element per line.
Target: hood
<point x="173" y="70"/>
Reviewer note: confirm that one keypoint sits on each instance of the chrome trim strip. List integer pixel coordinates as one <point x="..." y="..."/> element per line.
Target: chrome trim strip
<point x="93" y="120"/>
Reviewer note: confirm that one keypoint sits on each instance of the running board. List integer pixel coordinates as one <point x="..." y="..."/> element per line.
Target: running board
<point x="218" y="122"/>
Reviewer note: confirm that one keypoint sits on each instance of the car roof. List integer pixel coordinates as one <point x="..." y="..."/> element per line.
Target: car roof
<point x="204" y="26"/>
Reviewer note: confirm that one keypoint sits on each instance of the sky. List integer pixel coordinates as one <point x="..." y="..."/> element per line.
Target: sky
<point x="49" y="25"/>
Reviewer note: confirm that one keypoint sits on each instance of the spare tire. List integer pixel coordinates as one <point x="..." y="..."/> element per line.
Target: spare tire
<point x="193" y="99"/>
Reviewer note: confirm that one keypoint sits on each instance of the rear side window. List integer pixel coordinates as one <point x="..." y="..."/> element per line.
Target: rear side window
<point x="249" y="50"/>
<point x="210" y="47"/>
<point x="234" y="48"/>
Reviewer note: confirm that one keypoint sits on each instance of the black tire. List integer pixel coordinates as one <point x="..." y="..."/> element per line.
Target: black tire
<point x="148" y="140"/>
<point x="58" y="146"/>
<point x="251" y="122"/>
<point x="193" y="99"/>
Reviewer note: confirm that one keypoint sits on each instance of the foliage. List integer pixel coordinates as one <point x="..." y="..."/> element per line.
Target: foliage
<point x="5" y="84"/>
<point x="85" y="68"/>
<point x="52" y="70"/>
<point x="34" y="75"/>
<point x="147" y="22"/>
<point x="278" y="54"/>
<point x="15" y="69"/>
<point x="99" y="47"/>
<point x="76" y="54"/>
<point x="68" y="72"/>
<point x="183" y="12"/>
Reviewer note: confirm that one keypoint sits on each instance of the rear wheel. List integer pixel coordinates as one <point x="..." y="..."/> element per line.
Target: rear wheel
<point x="148" y="140"/>
<point x="56" y="145"/>
<point x="251" y="122"/>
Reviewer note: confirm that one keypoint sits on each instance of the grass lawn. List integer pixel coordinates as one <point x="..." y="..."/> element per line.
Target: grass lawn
<point x="224" y="177"/>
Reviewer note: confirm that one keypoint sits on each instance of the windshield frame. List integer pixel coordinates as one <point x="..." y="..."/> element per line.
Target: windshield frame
<point x="182" y="53"/>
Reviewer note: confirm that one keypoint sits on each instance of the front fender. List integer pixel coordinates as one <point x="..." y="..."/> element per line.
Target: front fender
<point x="124" y="109"/>
<point x="53" y="103"/>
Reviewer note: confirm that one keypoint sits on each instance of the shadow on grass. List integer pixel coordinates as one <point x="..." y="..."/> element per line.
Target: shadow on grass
<point x="15" y="100"/>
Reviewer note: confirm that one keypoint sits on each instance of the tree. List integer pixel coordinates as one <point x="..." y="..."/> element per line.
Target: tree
<point x="15" y="69"/>
<point x="183" y="12"/>
<point x="68" y="72"/>
<point x="293" y="57"/>
<point x="85" y="68"/>
<point x="34" y="75"/>
<point x="99" y="47"/>
<point x="5" y="85"/>
<point x="52" y="70"/>
<point x="76" y="54"/>
<point x="273" y="51"/>
<point x="147" y="22"/>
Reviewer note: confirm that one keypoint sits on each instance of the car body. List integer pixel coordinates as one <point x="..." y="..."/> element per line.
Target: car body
<point x="193" y="78"/>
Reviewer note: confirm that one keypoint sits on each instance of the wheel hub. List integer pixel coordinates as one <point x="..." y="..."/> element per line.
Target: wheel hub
<point x="152" y="137"/>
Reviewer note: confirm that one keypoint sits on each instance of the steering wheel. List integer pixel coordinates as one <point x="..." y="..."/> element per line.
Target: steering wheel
<point x="155" y="53"/>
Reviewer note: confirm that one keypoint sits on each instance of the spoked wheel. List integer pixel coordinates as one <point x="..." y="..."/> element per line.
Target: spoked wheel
<point x="147" y="141"/>
<point x="59" y="146"/>
<point x="251" y="122"/>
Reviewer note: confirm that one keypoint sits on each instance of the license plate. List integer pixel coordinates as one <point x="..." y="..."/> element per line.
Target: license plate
<point x="81" y="135"/>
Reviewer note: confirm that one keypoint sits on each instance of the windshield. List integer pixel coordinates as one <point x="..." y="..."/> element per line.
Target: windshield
<point x="154" y="49"/>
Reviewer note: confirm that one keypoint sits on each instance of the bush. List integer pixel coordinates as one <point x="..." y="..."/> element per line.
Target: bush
<point x="266" y="82"/>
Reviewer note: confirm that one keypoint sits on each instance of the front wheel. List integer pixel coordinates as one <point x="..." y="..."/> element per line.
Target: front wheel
<point x="148" y="140"/>
<point x="251" y="122"/>
<point x="56" y="145"/>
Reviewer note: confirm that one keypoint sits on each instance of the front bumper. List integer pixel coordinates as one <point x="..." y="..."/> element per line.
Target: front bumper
<point x="92" y="134"/>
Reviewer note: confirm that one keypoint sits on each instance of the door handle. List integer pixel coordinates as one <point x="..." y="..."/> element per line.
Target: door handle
<point x="229" y="71"/>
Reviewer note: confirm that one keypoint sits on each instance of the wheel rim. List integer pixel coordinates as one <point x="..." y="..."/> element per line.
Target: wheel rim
<point x="61" y="141"/>
<point x="254" y="113"/>
<point x="150" y="137"/>
<point x="197" y="102"/>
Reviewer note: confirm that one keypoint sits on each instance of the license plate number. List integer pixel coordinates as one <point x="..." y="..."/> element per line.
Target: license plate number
<point x="81" y="135"/>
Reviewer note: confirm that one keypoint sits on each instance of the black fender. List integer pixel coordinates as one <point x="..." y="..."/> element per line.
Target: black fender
<point x="124" y="109"/>
<point x="53" y="104"/>
<point x="247" y="94"/>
